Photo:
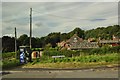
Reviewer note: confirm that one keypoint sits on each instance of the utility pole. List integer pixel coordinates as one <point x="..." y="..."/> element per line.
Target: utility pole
<point x="30" y="27"/>
<point x="15" y="43"/>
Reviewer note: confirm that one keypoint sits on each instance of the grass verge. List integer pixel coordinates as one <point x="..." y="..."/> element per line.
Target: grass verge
<point x="61" y="65"/>
<point x="108" y="60"/>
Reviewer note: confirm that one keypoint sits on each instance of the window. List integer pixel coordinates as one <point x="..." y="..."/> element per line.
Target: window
<point x="75" y="40"/>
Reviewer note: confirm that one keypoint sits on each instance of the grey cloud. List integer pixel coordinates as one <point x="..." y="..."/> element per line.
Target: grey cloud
<point x="61" y="1"/>
<point x="86" y="15"/>
<point x="8" y="28"/>
<point x="98" y="19"/>
<point x="39" y="24"/>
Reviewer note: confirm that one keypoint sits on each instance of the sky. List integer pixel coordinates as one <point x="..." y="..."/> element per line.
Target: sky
<point x="61" y="17"/>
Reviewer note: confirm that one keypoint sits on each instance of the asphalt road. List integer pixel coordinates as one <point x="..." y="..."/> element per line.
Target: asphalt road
<point x="86" y="73"/>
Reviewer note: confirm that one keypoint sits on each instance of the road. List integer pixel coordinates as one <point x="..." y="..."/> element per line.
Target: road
<point x="86" y="73"/>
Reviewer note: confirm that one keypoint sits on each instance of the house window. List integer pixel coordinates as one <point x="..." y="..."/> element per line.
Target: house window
<point x="75" y="39"/>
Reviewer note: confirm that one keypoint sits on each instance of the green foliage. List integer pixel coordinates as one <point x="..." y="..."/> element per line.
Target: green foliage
<point x="9" y="60"/>
<point x="105" y="50"/>
<point x="55" y="37"/>
<point x="86" y="59"/>
<point x="8" y="44"/>
<point x="10" y="63"/>
<point x="115" y="49"/>
<point x="8" y="55"/>
<point x="35" y="61"/>
<point x="23" y="40"/>
<point x="51" y="53"/>
<point x="69" y="53"/>
<point x="37" y="49"/>
<point x="55" y="52"/>
<point x="104" y="33"/>
<point x="48" y="46"/>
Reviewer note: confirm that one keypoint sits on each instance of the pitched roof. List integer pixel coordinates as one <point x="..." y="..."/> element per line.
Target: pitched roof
<point x="74" y="38"/>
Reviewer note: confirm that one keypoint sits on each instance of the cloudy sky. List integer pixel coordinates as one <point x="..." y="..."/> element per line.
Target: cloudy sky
<point x="56" y="16"/>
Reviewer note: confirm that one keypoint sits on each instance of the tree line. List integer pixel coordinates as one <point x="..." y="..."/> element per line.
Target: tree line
<point x="55" y="37"/>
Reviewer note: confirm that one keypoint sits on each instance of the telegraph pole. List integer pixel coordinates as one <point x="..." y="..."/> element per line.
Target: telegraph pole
<point x="15" y="43"/>
<point x="30" y="27"/>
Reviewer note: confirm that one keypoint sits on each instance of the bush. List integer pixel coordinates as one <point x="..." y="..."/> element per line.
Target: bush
<point x="8" y="55"/>
<point x="95" y="50"/>
<point x="72" y="60"/>
<point x="105" y="50"/>
<point x="37" y="49"/>
<point x="67" y="53"/>
<point x="10" y="63"/>
<point x="86" y="59"/>
<point x="115" y="49"/>
<point x="51" y="53"/>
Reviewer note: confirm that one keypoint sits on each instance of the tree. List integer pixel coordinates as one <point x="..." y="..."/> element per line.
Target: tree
<point x="23" y="40"/>
<point x="53" y="38"/>
<point x="103" y="32"/>
<point x="77" y="31"/>
<point x="8" y="44"/>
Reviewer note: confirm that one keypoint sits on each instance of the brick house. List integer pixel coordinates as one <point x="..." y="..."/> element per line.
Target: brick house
<point x="114" y="42"/>
<point x="75" y="43"/>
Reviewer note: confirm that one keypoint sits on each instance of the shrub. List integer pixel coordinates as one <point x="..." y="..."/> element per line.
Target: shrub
<point x="10" y="63"/>
<point x="52" y="53"/>
<point x="86" y="59"/>
<point x="105" y="50"/>
<point x="8" y="55"/>
<point x="67" y="53"/>
<point x="115" y="49"/>
<point x="72" y="59"/>
<point x="95" y="50"/>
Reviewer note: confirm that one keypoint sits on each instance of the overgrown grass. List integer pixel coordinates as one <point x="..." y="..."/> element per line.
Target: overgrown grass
<point x="69" y="53"/>
<point x="70" y="65"/>
<point x="76" y="62"/>
<point x="10" y="63"/>
<point x="88" y="58"/>
<point x="105" y="55"/>
<point x="8" y="55"/>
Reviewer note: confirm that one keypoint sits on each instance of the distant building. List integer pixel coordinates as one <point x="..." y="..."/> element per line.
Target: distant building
<point x="75" y="43"/>
<point x="84" y="45"/>
<point x="114" y="42"/>
<point x="91" y="39"/>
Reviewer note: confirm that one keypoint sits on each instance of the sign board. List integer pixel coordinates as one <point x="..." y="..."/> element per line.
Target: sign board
<point x="22" y="56"/>
<point x="58" y="56"/>
<point x="25" y="54"/>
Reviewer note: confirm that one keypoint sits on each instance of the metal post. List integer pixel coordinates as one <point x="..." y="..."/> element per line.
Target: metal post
<point x="15" y="44"/>
<point x="30" y="27"/>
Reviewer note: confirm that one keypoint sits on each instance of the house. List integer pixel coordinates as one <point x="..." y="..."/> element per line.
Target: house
<point x="75" y="43"/>
<point x="74" y="39"/>
<point x="84" y="45"/>
<point x="114" y="42"/>
<point x="63" y="45"/>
